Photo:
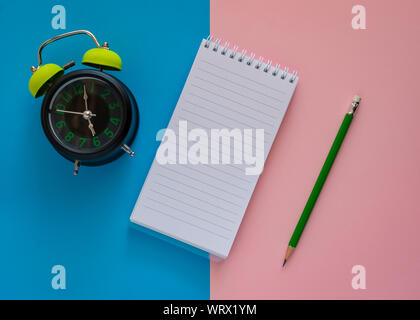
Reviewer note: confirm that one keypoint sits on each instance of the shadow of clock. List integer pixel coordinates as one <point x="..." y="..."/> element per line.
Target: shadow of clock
<point x="93" y="195"/>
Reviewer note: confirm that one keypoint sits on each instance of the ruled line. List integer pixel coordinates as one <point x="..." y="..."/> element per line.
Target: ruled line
<point x="186" y="222"/>
<point x="223" y="209"/>
<point x="236" y="111"/>
<point x="212" y="166"/>
<point x="233" y="166"/>
<point x="231" y="100"/>
<point x="189" y="167"/>
<point x="201" y="126"/>
<point x="201" y="191"/>
<point x="215" y="167"/>
<point x="229" y="174"/>
<point x="209" y="119"/>
<point x="241" y="76"/>
<point x="200" y="181"/>
<point x="243" y="140"/>
<point x="190" y="214"/>
<point x="220" y="151"/>
<point x="194" y="207"/>
<point x="209" y="131"/>
<point x="238" y="84"/>
<point x="239" y="94"/>
<point x="224" y="116"/>
<point x="219" y="95"/>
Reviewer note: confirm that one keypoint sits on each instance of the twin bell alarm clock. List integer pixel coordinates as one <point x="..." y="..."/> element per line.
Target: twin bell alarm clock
<point x="89" y="116"/>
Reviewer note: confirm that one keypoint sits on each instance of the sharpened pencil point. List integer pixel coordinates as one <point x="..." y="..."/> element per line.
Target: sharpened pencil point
<point x="288" y="254"/>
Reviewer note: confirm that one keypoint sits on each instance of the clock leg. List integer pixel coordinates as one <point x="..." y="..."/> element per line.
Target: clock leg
<point x="76" y="167"/>
<point x="127" y="149"/>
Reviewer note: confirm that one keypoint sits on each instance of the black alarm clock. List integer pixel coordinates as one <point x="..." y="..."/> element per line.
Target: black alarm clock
<point x="89" y="116"/>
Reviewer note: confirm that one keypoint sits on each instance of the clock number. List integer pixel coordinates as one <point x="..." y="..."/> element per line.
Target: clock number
<point x="83" y="140"/>
<point x="92" y="88"/>
<point x="69" y="136"/>
<point x="60" y="107"/>
<point x="96" y="141"/>
<point x="60" y="124"/>
<point x="109" y="133"/>
<point x="115" y="121"/>
<point x="112" y="106"/>
<point x="107" y="93"/>
<point x="66" y="96"/>
<point x="77" y="88"/>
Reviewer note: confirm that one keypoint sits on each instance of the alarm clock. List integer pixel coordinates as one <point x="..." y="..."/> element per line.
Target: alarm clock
<point x="89" y="116"/>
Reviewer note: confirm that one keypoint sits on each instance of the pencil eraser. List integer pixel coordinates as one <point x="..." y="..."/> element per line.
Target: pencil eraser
<point x="356" y="98"/>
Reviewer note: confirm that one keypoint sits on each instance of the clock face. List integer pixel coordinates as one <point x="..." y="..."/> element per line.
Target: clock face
<point x="86" y="114"/>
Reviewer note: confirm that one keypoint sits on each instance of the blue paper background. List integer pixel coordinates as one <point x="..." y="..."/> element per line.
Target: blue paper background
<point x="50" y="217"/>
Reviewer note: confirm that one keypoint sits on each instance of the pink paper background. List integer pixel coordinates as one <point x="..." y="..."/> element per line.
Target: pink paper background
<point x="368" y="212"/>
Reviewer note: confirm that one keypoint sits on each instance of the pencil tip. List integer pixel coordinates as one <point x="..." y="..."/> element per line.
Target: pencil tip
<point x="284" y="262"/>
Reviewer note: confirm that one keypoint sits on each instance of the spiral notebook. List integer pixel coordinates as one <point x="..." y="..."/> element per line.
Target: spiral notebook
<point x="202" y="204"/>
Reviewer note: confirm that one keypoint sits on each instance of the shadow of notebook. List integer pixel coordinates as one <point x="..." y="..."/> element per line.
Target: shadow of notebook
<point x="213" y="150"/>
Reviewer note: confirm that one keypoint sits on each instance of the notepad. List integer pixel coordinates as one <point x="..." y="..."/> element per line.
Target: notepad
<point x="202" y="204"/>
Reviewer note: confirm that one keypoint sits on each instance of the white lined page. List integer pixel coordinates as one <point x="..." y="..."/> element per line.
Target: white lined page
<point x="203" y="204"/>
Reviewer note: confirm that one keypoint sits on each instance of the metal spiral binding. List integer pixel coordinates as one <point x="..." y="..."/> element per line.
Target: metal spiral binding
<point x="267" y="67"/>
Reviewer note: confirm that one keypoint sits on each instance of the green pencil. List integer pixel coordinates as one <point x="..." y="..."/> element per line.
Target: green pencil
<point x="321" y="178"/>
